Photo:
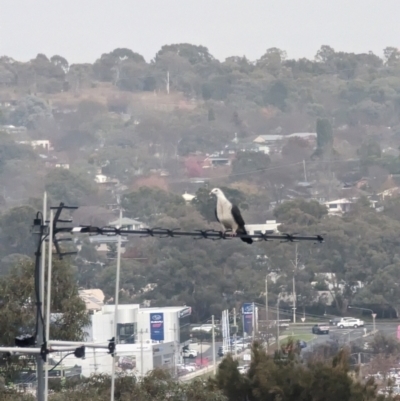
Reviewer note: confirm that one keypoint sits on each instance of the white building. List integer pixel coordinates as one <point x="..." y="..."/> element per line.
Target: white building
<point x="339" y="206"/>
<point x="269" y="227"/>
<point x="146" y="338"/>
<point x="127" y="224"/>
<point x="41" y="143"/>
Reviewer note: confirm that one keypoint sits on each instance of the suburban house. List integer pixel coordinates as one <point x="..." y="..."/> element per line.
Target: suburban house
<point x="188" y="197"/>
<point x="216" y="161"/>
<point x="269" y="227"/>
<point x="344" y="205"/>
<point x="101" y="178"/>
<point x="11" y="129"/>
<point x="62" y="165"/>
<point x="127" y="224"/>
<point x="273" y="138"/>
<point x="102" y="243"/>
<point x="93" y="298"/>
<point x="339" y="206"/>
<point x="42" y="143"/>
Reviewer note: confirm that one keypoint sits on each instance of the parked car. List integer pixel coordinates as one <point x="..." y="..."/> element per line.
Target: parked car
<point x="320" y="328"/>
<point x="189" y="353"/>
<point x="350" y="323"/>
<point x="221" y="351"/>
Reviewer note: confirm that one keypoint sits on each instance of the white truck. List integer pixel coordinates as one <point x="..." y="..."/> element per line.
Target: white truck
<point x="354" y="323"/>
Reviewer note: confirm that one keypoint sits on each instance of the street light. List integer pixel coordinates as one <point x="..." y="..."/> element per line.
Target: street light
<point x="372" y="314"/>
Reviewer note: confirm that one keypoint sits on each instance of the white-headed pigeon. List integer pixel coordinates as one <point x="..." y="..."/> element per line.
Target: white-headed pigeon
<point x="229" y="216"/>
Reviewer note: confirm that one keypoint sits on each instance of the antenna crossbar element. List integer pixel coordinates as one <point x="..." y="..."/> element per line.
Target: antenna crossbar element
<point x="160" y="232"/>
<point x="197" y="234"/>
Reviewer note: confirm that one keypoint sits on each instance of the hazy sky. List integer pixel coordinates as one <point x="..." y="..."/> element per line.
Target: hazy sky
<point x="81" y="30"/>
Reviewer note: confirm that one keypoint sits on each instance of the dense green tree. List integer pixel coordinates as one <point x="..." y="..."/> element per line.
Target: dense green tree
<point x="284" y="377"/>
<point x="246" y="162"/>
<point x="324" y="136"/>
<point x="69" y="187"/>
<point x="30" y="111"/>
<point x="15" y="231"/>
<point x="148" y="204"/>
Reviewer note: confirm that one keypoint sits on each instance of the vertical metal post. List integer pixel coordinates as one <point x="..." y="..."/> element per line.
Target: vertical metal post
<point x="116" y="309"/>
<point x="40" y="339"/>
<point x="373" y="321"/>
<point x="213" y="345"/>
<point x="266" y="308"/>
<point x="234" y="335"/>
<point x="141" y="354"/>
<point x="48" y="300"/>
<point x="294" y="283"/>
<point x="277" y="327"/>
<point x="359" y="366"/>
<point x="253" y="318"/>
<point x="43" y="253"/>
<point x="175" y="367"/>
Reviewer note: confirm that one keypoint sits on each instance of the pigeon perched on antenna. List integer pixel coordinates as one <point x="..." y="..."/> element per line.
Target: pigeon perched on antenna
<point x="229" y="216"/>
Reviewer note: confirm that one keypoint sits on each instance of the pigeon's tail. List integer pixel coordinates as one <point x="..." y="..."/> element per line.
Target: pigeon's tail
<point x="242" y="231"/>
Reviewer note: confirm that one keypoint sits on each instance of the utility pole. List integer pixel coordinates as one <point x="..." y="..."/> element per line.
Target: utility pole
<point x="48" y="300"/>
<point x="305" y="172"/>
<point x="116" y="308"/>
<point x="359" y="366"/>
<point x="213" y="346"/>
<point x="295" y="265"/>
<point x="253" y="318"/>
<point x="39" y="231"/>
<point x="266" y="308"/>
<point x="277" y="326"/>
<point x="175" y="367"/>
<point x="256" y="320"/>
<point x="168" y="82"/>
<point x="141" y="352"/>
<point x="234" y="334"/>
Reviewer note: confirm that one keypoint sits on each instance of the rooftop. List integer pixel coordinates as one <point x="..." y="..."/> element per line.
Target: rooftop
<point x="125" y="221"/>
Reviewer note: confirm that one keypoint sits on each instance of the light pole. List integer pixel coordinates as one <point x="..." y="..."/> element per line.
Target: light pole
<point x="266" y="307"/>
<point x="372" y="314"/>
<point x="277" y="323"/>
<point x="295" y="265"/>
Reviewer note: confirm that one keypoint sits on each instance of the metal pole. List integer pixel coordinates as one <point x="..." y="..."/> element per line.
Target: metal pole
<point x="43" y="253"/>
<point x="213" y="346"/>
<point x="294" y="301"/>
<point x="359" y="366"/>
<point x="253" y="317"/>
<point x="141" y="354"/>
<point x="277" y="327"/>
<point x="234" y="334"/>
<point x="40" y="334"/>
<point x="175" y="367"/>
<point x="266" y="308"/>
<point x="48" y="300"/>
<point x="373" y="321"/>
<point x="294" y="284"/>
<point x="116" y="308"/>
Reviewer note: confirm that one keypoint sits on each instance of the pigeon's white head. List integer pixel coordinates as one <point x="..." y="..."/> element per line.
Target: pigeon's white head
<point x="217" y="192"/>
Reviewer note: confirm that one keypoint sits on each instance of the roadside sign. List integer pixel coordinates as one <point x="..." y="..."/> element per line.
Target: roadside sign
<point x="247" y="357"/>
<point x="303" y="319"/>
<point x="374" y="315"/>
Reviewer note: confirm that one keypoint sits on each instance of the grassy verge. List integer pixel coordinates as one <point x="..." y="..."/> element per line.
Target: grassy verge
<point x="299" y="336"/>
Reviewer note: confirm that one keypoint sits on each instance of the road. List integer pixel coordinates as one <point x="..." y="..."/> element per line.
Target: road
<point x="347" y="335"/>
